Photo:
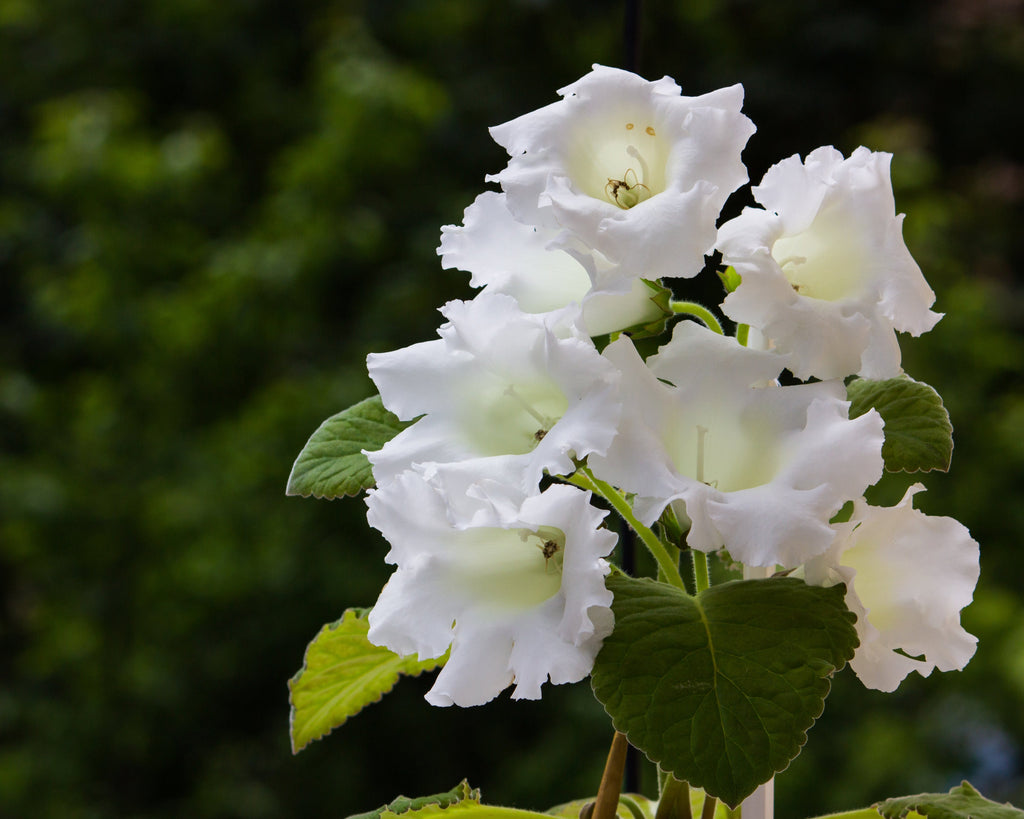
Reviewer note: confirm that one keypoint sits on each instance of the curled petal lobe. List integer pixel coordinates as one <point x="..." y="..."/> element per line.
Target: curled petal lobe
<point x="541" y="269"/>
<point x="908" y="575"/>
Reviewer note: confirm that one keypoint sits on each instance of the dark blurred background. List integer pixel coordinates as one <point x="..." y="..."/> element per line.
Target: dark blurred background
<point x="211" y="212"/>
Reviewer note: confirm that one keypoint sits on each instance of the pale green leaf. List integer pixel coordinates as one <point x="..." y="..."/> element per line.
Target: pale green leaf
<point x="962" y="802"/>
<point x="918" y="434"/>
<point x="332" y="463"/>
<point x="720" y="689"/>
<point x="459" y="801"/>
<point x="343" y="672"/>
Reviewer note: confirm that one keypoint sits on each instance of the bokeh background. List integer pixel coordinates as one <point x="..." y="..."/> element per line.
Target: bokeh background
<point x="211" y="212"/>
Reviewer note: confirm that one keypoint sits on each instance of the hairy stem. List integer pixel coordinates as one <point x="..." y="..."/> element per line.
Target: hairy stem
<point x="585" y="479"/>
<point x="698" y="311"/>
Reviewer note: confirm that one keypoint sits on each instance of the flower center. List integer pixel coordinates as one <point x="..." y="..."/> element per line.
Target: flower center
<point x="511" y="419"/>
<point x="619" y="162"/>
<point x="825" y="261"/>
<point x="511" y="569"/>
<point x="728" y="457"/>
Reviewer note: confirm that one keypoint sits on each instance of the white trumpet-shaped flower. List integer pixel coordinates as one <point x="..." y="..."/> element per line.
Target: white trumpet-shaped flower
<point x="826" y="275"/>
<point x="630" y="168"/>
<point x="907" y="576"/>
<point x="757" y="468"/>
<point x="539" y="269"/>
<point x="501" y="385"/>
<point x="514" y="585"/>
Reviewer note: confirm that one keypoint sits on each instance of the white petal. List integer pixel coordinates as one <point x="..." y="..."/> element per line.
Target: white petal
<point x="472" y="575"/>
<point x="907" y="575"/>
<point x="500" y="384"/>
<point x="760" y="468"/>
<point x="825" y="273"/>
<point x="542" y="270"/>
<point x="674" y="159"/>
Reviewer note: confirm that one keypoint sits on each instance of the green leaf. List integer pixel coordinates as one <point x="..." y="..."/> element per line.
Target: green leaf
<point x="332" y="463"/>
<point x="730" y="279"/>
<point x="720" y="689"/>
<point x="343" y="672"/>
<point x="918" y="435"/>
<point x="459" y="801"/>
<point x="660" y="297"/>
<point x="962" y="802"/>
<point x="403" y="804"/>
<point x="631" y="806"/>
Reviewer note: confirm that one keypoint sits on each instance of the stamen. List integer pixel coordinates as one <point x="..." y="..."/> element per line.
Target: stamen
<point x="629" y="126"/>
<point x="702" y="433"/>
<point x="644" y="171"/>
<point x="650" y="130"/>
<point x="545" y="423"/>
<point x="793" y="260"/>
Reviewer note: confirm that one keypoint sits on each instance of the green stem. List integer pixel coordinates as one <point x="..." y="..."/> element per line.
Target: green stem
<point x="708" y="811"/>
<point x="630" y="804"/>
<point x="699" y="311"/>
<point x="701" y="575"/>
<point x="585" y="479"/>
<point x="674" y="801"/>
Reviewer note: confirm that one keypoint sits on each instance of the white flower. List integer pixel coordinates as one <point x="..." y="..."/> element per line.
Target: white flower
<point x="630" y="168"/>
<point x="826" y="274"/>
<point x="759" y="468"/>
<point x="501" y="385"/>
<point x="515" y="586"/>
<point x="541" y="273"/>
<point x="907" y="577"/>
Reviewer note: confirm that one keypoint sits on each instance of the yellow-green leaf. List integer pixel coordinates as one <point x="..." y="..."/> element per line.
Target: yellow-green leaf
<point x="343" y="672"/>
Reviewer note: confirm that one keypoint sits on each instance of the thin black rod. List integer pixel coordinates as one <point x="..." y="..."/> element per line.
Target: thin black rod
<point x="631" y="36"/>
<point x="631" y="56"/>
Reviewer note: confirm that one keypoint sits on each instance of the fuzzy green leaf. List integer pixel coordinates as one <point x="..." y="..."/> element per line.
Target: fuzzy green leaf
<point x="403" y="804"/>
<point x="918" y="434"/>
<point x="459" y="801"/>
<point x="962" y="802"/>
<point x="730" y="279"/>
<point x="332" y="463"/>
<point x="720" y="689"/>
<point x="342" y="673"/>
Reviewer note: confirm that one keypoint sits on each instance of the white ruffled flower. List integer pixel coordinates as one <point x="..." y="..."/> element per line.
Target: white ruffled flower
<point x="760" y="469"/>
<point x="826" y="274"/>
<point x="907" y="577"/>
<point x="539" y="271"/>
<point x="500" y="385"/>
<point x="514" y="585"/>
<point x="630" y="168"/>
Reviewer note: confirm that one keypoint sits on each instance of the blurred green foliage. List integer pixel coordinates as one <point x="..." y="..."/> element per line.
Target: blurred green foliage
<point x="211" y="212"/>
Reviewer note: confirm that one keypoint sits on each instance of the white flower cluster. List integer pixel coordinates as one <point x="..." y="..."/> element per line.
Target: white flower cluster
<point x="616" y="186"/>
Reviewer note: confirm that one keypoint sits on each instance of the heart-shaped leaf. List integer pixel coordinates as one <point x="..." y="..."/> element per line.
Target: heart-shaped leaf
<point x="720" y="689"/>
